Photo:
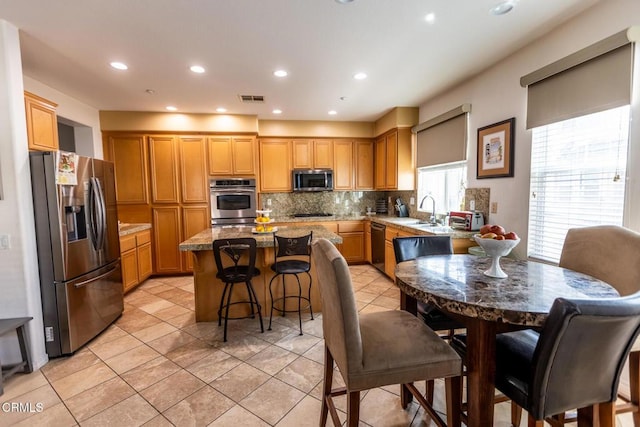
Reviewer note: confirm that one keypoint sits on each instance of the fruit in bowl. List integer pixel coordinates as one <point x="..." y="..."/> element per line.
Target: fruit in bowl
<point x="496" y="243"/>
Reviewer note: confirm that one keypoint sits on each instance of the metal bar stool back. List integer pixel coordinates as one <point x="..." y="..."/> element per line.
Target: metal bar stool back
<point x="292" y="257"/>
<point x="232" y="272"/>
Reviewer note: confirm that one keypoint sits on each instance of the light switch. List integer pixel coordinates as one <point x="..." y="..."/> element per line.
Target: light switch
<point x="5" y="241"/>
<point x="412" y="201"/>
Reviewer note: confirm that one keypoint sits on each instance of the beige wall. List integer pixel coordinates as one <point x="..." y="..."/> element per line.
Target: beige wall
<point x="144" y="121"/>
<point x="496" y="95"/>
<point x="309" y="128"/>
<point x="398" y="117"/>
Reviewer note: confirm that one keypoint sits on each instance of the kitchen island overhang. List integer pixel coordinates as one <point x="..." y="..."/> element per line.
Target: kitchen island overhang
<point x="208" y="288"/>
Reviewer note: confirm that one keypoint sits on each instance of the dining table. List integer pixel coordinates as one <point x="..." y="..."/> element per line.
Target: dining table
<point x="487" y="306"/>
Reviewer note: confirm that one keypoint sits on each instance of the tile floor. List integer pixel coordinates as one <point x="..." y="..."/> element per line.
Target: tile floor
<point x="156" y="367"/>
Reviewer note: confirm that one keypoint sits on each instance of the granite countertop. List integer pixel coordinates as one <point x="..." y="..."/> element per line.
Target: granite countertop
<point x="204" y="240"/>
<point x="410" y="225"/>
<point x="457" y="284"/>
<point x="126" y="229"/>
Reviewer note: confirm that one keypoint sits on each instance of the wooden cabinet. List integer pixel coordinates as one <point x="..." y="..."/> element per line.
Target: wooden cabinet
<point x="312" y="154"/>
<point x="162" y="179"/>
<point x="322" y="154"/>
<point x="394" y="164"/>
<point x="193" y="171"/>
<point x="352" y="233"/>
<point x="136" y="258"/>
<point x="389" y="255"/>
<point x="42" y="123"/>
<point x="232" y="156"/>
<point x="343" y="165"/>
<point x="166" y="238"/>
<point x="194" y="220"/>
<point x="275" y="165"/>
<point x="163" y="159"/>
<point x="367" y="241"/>
<point x="130" y="158"/>
<point x="364" y="161"/>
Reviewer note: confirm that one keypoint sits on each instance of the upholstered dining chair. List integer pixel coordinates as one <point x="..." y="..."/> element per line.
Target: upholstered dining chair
<point x="376" y="349"/>
<point x="575" y="361"/>
<point x="612" y="254"/>
<point x="412" y="247"/>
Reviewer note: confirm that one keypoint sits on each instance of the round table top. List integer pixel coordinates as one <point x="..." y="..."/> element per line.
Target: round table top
<point x="456" y="284"/>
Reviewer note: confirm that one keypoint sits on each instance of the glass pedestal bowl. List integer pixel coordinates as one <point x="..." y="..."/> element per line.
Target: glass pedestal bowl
<point x="496" y="249"/>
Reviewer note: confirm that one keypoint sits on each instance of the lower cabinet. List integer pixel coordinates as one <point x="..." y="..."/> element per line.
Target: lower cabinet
<point x="136" y="258"/>
<point x="352" y="233"/>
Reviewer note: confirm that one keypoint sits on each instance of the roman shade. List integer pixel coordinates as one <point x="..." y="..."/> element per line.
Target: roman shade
<point x="594" y="79"/>
<point x="443" y="139"/>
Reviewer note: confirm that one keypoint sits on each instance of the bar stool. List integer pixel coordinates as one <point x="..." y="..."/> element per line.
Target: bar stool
<point x="235" y="250"/>
<point x="292" y="257"/>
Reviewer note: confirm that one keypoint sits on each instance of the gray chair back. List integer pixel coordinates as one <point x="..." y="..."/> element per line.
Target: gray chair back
<point x="412" y="247"/>
<point x="580" y="354"/>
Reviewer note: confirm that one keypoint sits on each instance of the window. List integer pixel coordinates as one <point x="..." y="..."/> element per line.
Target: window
<point x="578" y="171"/>
<point x="445" y="183"/>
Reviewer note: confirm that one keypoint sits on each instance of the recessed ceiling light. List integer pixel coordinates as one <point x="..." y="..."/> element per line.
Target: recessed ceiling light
<point x="430" y="18"/>
<point x="344" y="1"/>
<point x="280" y="73"/>
<point x="171" y="108"/>
<point x="277" y="111"/>
<point x="119" y="65"/>
<point x="332" y="112"/>
<point x="221" y="110"/>
<point x="197" y="69"/>
<point x="360" y="76"/>
<point x="502" y="8"/>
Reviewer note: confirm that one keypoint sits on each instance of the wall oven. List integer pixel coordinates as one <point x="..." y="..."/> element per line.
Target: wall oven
<point x="233" y="201"/>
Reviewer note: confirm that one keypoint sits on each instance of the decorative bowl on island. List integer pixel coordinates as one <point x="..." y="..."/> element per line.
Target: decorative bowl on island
<point x="496" y="249"/>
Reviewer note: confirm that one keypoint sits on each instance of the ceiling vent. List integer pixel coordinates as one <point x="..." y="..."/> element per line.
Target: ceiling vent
<point x="251" y="98"/>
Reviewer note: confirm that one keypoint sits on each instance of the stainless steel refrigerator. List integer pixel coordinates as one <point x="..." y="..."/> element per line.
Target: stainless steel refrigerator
<point x="78" y="247"/>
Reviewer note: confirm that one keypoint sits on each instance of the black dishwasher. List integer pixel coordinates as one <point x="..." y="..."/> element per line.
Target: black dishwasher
<point x="377" y="245"/>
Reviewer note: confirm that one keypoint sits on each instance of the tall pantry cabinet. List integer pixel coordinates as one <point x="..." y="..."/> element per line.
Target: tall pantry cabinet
<point x="162" y="179"/>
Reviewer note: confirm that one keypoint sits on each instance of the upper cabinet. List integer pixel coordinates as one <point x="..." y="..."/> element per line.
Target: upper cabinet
<point x="193" y="170"/>
<point x="394" y="165"/>
<point x="364" y="155"/>
<point x="343" y="165"/>
<point x="232" y="156"/>
<point x="42" y="124"/>
<point x="312" y="154"/>
<point x="275" y="165"/>
<point x="163" y="155"/>
<point x="129" y="156"/>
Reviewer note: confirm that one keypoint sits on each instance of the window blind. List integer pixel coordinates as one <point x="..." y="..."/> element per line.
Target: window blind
<point x="593" y="79"/>
<point x="443" y="139"/>
<point x="578" y="175"/>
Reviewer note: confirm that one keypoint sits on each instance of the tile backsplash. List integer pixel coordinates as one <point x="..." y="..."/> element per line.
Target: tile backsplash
<point x="355" y="203"/>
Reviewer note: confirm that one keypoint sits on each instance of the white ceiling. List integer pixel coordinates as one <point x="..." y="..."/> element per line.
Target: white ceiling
<point x="68" y="45"/>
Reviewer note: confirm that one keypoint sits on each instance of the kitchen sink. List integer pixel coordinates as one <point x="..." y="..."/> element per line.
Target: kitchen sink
<point x="433" y="228"/>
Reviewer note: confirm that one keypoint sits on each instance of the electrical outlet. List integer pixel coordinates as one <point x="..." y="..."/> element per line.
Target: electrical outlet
<point x="5" y="241"/>
<point x="268" y="202"/>
<point x="412" y="201"/>
<point x="494" y="207"/>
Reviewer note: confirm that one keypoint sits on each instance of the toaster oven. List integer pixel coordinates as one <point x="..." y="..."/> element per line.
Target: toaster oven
<point x="466" y="220"/>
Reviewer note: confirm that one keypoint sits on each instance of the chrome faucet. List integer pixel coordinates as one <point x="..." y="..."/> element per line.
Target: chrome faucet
<point x="433" y="208"/>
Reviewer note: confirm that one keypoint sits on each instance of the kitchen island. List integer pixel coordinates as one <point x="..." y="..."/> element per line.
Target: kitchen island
<point x="208" y="289"/>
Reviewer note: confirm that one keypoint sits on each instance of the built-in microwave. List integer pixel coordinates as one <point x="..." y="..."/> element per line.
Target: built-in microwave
<point x="312" y="180"/>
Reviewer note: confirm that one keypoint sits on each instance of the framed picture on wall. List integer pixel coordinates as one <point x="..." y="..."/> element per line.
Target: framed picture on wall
<point x="495" y="150"/>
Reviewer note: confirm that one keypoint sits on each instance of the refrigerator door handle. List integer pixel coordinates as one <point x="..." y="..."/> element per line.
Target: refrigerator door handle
<point x="93" y="279"/>
<point x="96" y="214"/>
<point x="102" y="229"/>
